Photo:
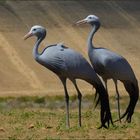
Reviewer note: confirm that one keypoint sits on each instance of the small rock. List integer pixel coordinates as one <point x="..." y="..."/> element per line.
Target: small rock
<point x="49" y="127"/>
<point x="44" y="129"/>
<point x="31" y="126"/>
<point x="2" y="129"/>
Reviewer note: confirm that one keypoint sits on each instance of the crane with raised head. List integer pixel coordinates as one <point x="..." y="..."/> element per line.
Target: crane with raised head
<point x="110" y="65"/>
<point x="69" y="64"/>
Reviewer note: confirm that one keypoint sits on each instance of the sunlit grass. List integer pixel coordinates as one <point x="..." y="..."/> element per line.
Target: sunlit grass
<point x="39" y="120"/>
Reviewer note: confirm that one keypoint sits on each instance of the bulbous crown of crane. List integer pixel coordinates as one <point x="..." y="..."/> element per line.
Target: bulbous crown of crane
<point x="91" y="19"/>
<point x="37" y="31"/>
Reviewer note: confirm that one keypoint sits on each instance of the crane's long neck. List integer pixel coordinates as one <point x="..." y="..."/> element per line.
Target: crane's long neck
<point x="95" y="27"/>
<point x="36" y="53"/>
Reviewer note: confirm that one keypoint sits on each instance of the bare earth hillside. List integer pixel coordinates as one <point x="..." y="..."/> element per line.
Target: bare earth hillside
<point x="21" y="75"/>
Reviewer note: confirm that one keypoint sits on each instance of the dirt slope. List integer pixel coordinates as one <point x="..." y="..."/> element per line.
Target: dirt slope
<point x="21" y="75"/>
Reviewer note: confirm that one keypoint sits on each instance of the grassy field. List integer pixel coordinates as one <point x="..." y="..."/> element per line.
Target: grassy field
<point x="44" y="118"/>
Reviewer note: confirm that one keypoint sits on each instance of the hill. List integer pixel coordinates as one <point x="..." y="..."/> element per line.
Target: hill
<point x="21" y="75"/>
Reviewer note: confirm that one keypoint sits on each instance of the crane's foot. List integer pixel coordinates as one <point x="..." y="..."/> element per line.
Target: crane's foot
<point x="120" y="121"/>
<point x="103" y="126"/>
<point x="128" y="120"/>
<point x="80" y="125"/>
<point x="67" y="127"/>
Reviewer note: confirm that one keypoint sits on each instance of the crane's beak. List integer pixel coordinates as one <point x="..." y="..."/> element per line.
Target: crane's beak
<point x="28" y="35"/>
<point x="83" y="21"/>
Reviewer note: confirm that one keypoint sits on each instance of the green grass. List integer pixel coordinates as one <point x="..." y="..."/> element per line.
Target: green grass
<point x="2" y="1"/>
<point x="32" y="121"/>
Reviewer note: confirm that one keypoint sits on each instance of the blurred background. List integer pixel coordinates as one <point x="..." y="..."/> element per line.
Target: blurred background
<point x="21" y="75"/>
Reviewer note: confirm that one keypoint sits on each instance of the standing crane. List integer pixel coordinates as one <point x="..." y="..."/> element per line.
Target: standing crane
<point x="110" y="65"/>
<point x="69" y="64"/>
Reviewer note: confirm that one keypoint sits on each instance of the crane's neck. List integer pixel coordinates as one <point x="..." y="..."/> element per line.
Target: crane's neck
<point x="36" y="53"/>
<point x="95" y="27"/>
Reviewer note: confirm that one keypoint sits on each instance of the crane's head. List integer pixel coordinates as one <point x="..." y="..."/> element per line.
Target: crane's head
<point x="91" y="19"/>
<point x="37" y="31"/>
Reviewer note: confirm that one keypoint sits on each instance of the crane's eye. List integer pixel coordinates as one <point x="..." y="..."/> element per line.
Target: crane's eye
<point x="34" y="29"/>
<point x="90" y="17"/>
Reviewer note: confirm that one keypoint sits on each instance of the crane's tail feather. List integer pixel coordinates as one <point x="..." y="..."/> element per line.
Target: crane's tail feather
<point x="105" y="108"/>
<point x="133" y="91"/>
<point x="97" y="100"/>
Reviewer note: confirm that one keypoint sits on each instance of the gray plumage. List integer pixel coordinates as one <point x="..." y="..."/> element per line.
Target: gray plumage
<point x="69" y="64"/>
<point x="110" y="65"/>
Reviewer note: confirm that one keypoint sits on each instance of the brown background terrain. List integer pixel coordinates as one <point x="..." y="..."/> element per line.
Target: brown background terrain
<point x="21" y="75"/>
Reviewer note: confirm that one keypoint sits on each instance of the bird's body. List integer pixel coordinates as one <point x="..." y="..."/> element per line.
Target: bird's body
<point x="66" y="62"/>
<point x="110" y="65"/>
<point x="69" y="64"/>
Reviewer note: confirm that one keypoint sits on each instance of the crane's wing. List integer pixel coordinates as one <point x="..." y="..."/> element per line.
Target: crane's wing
<point x="65" y="61"/>
<point x="110" y="64"/>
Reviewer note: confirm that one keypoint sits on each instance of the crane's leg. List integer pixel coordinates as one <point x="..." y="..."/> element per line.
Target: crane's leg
<point x="105" y="81"/>
<point x="79" y="100"/>
<point x="67" y="102"/>
<point x="118" y="100"/>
